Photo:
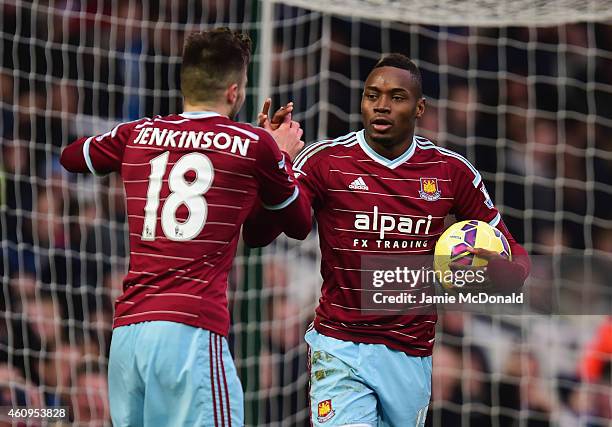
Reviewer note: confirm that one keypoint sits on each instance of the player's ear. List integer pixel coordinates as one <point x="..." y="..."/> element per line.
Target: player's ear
<point x="232" y="93"/>
<point x="420" y="107"/>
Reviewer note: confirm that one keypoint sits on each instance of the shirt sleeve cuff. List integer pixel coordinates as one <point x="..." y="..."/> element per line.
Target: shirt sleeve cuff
<point x="88" y="157"/>
<point x="286" y="203"/>
<point x="495" y="220"/>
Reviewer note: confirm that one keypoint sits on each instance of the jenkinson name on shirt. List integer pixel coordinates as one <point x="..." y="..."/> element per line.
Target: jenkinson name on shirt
<point x="192" y="139"/>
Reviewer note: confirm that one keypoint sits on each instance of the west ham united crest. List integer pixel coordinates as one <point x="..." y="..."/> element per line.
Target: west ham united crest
<point x="429" y="189"/>
<point x="325" y="411"/>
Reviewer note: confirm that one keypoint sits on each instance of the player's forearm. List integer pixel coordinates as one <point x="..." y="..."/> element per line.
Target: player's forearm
<point x="260" y="228"/>
<point x="72" y="158"/>
<point x="296" y="219"/>
<point x="507" y="275"/>
<point x="263" y="226"/>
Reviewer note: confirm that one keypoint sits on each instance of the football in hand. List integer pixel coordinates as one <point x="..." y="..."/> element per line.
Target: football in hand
<point x="453" y="245"/>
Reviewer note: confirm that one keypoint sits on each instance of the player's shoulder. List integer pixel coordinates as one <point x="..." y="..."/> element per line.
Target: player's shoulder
<point x="320" y="151"/>
<point x="244" y="130"/>
<point x="123" y="128"/>
<point x="454" y="161"/>
<point x="147" y="121"/>
<point x="216" y="121"/>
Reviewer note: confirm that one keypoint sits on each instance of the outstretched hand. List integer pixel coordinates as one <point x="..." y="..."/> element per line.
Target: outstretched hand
<point x="286" y="132"/>
<point x="282" y="115"/>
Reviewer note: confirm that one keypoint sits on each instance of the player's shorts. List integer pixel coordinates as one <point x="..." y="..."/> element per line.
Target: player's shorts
<point x="171" y="374"/>
<point x="366" y="385"/>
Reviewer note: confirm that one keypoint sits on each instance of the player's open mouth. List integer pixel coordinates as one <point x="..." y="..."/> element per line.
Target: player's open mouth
<point x="381" y="125"/>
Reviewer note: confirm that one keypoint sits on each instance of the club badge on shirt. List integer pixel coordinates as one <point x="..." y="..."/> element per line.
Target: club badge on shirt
<point x="325" y="411"/>
<point x="429" y="189"/>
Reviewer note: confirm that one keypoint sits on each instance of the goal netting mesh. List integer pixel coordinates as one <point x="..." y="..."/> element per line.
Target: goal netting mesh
<point x="522" y="89"/>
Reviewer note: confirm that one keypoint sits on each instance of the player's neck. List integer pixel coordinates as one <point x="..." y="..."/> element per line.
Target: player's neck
<point x="224" y="110"/>
<point x="389" y="152"/>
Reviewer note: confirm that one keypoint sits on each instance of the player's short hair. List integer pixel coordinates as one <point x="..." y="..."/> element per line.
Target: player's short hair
<point x="212" y="60"/>
<point x="398" y="60"/>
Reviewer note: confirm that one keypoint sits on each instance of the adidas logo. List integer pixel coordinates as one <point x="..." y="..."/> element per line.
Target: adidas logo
<point x="358" y="184"/>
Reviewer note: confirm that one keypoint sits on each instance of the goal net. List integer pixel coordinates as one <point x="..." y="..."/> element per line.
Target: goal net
<point x="522" y="89"/>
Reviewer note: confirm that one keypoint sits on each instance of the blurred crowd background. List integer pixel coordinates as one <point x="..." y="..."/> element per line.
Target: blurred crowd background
<point x="531" y="107"/>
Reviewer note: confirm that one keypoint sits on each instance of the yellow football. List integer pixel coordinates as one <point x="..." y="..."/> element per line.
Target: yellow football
<point x="453" y="244"/>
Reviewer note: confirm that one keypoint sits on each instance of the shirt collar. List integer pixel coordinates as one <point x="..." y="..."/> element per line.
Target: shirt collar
<point x="199" y="114"/>
<point x="390" y="163"/>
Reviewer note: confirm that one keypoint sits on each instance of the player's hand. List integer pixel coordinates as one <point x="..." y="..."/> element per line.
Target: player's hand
<point x="282" y="115"/>
<point x="482" y="281"/>
<point x="288" y="136"/>
<point x="484" y="253"/>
